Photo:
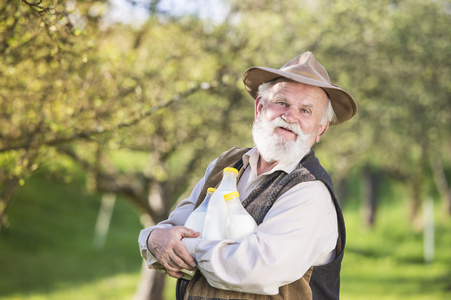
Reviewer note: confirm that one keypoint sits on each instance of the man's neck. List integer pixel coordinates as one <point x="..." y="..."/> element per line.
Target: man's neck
<point x="264" y="166"/>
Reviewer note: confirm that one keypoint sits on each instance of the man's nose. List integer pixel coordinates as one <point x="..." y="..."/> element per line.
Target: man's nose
<point x="290" y="115"/>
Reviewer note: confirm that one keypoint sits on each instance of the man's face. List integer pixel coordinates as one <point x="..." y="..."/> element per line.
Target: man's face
<point x="287" y="124"/>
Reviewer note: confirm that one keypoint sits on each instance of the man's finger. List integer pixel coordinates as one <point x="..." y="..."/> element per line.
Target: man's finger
<point x="183" y="261"/>
<point x="184" y="255"/>
<point x="189" y="233"/>
<point x="176" y="274"/>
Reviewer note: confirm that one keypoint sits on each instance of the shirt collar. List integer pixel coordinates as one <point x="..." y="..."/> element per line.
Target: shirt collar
<point x="251" y="158"/>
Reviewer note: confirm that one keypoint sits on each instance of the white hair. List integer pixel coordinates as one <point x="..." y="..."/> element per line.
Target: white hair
<point x="328" y="114"/>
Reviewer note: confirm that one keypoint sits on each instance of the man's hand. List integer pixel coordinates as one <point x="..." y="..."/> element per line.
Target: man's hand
<point x="165" y="244"/>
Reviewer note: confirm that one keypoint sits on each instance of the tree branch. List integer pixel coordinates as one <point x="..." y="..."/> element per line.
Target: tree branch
<point x="37" y="7"/>
<point x="129" y="185"/>
<point x="87" y="134"/>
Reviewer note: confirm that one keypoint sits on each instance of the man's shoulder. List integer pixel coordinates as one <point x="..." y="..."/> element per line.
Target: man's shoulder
<point x="234" y="152"/>
<point x="230" y="157"/>
<point x="313" y="165"/>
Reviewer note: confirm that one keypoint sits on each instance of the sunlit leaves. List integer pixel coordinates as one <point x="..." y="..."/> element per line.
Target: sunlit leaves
<point x="173" y="86"/>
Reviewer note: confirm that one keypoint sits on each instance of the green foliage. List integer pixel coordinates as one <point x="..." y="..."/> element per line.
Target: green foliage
<point x="78" y="90"/>
<point x="95" y="83"/>
<point x="397" y="68"/>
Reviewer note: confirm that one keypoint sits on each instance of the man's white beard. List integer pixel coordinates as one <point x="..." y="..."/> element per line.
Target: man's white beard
<point x="276" y="148"/>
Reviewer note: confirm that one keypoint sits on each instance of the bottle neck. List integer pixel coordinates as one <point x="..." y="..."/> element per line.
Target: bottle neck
<point x="233" y="205"/>
<point x="204" y="203"/>
<point x="228" y="181"/>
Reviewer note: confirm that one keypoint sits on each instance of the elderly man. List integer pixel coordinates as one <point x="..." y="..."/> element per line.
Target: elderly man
<point x="297" y="248"/>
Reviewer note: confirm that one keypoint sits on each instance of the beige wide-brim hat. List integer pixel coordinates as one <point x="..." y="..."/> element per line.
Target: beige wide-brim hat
<point x="307" y="70"/>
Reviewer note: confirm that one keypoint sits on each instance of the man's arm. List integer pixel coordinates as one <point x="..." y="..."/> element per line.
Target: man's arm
<point x="162" y="243"/>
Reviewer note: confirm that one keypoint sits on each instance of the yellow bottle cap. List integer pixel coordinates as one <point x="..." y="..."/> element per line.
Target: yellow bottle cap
<point x="230" y="170"/>
<point x="211" y="190"/>
<point x="231" y="196"/>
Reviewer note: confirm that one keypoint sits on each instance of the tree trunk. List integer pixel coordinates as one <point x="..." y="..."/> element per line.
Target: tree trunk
<point x="418" y="185"/>
<point x="441" y="183"/>
<point x="342" y="190"/>
<point x="371" y="180"/>
<point x="151" y="284"/>
<point x="6" y="198"/>
<point x="416" y="199"/>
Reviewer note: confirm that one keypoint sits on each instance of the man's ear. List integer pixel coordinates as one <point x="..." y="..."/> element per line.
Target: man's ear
<point x="258" y="106"/>
<point x="322" y="129"/>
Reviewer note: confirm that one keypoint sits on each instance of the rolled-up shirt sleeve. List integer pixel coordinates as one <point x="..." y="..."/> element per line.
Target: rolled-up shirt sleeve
<point x="298" y="232"/>
<point x="176" y="218"/>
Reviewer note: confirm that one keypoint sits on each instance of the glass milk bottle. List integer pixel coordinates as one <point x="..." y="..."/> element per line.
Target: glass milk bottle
<point x="215" y="220"/>
<point x="196" y="219"/>
<point x="239" y="222"/>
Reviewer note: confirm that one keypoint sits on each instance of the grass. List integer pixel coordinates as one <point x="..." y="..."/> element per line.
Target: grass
<point x="48" y="253"/>
<point x="386" y="261"/>
<point x="48" y="249"/>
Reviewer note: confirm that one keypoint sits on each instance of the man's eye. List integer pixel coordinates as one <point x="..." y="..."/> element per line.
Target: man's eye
<point x="282" y="103"/>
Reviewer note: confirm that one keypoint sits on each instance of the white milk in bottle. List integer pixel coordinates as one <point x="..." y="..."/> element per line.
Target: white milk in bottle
<point x="215" y="220"/>
<point x="196" y="219"/>
<point x="239" y="222"/>
<point x="196" y="222"/>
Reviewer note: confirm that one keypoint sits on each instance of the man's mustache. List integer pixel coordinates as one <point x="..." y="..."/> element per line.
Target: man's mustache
<point x="294" y="127"/>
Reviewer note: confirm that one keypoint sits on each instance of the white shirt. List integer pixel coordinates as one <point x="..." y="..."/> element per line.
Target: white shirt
<point x="300" y="230"/>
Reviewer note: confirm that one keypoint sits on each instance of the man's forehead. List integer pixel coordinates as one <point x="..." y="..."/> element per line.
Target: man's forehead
<point x="284" y="86"/>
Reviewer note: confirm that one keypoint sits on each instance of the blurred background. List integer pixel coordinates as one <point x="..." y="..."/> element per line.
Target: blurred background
<point x="110" y="111"/>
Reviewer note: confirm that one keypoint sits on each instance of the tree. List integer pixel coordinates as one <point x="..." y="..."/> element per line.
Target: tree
<point x="401" y="73"/>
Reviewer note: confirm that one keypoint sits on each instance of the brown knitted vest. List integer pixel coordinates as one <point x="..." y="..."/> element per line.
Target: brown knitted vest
<point x="321" y="282"/>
